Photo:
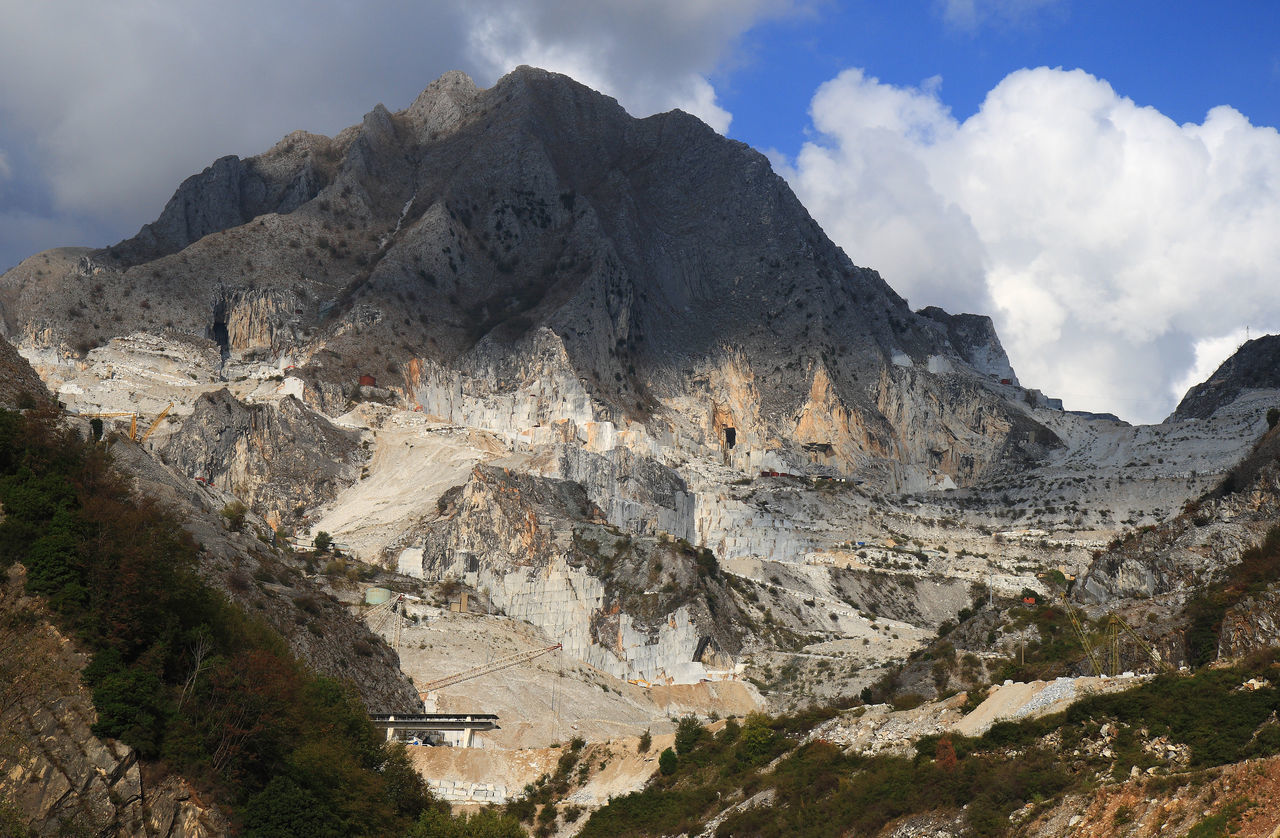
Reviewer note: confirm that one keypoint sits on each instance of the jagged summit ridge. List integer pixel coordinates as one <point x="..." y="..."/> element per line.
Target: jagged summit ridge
<point x="477" y="228"/>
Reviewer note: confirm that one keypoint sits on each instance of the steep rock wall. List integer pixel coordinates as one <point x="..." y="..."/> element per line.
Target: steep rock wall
<point x="539" y="548"/>
<point x="273" y="456"/>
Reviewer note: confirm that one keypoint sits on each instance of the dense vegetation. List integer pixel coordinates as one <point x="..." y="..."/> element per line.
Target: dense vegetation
<point x="191" y="682"/>
<point x="820" y="790"/>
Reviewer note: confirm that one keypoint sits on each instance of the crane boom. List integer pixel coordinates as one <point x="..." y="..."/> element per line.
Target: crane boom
<point x="156" y="423"/>
<point x="493" y="666"/>
<point x="1089" y="651"/>
<point x="133" y="421"/>
<point x="1117" y="626"/>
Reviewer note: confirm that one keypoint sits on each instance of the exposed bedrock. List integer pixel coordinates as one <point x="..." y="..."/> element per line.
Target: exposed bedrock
<point x="274" y="456"/>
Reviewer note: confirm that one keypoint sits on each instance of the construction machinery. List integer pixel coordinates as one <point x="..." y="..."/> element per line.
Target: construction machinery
<point x="1116" y="627"/>
<point x="1094" y="660"/>
<point x="387" y="618"/>
<point x="133" y="421"/>
<point x="1108" y="661"/>
<point x="154" y="424"/>
<point x="485" y="669"/>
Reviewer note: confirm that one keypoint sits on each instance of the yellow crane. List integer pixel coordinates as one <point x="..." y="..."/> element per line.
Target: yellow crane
<point x="1094" y="660"/>
<point x="1117" y="626"/>
<point x="387" y="618"/>
<point x="1107" y="661"/>
<point x="133" y="421"/>
<point x="155" y="424"/>
<point x="485" y="669"/>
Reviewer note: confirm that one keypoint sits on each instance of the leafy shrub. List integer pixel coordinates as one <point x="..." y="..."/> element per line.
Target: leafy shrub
<point x="667" y="762"/>
<point x="235" y="513"/>
<point x="689" y="731"/>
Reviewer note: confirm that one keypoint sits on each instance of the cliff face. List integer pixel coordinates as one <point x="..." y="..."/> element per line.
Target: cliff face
<point x="974" y="337"/>
<point x="530" y="253"/>
<point x="233" y="191"/>
<point x="275" y="456"/>
<point x="19" y="384"/>
<point x="1192" y="548"/>
<point x="62" y="778"/>
<point x="636" y="607"/>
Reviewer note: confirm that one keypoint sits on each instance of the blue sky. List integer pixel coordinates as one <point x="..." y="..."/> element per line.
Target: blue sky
<point x="1181" y="58"/>
<point x="1101" y="178"/>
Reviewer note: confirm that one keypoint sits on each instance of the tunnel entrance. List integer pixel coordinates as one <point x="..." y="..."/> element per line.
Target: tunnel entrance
<point x="730" y="437"/>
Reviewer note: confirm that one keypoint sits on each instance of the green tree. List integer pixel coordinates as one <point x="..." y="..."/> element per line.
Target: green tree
<point x="688" y="732"/>
<point x="436" y="822"/>
<point x="404" y="787"/>
<point x="757" y="741"/>
<point x="322" y="542"/>
<point x="667" y="762"/>
<point x="131" y="707"/>
<point x="284" y="809"/>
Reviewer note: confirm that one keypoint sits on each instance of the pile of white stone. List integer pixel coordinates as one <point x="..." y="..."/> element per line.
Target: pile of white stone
<point x="461" y="791"/>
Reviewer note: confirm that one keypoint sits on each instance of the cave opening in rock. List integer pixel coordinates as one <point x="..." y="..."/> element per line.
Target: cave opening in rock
<point x="218" y="331"/>
<point x="730" y="437"/>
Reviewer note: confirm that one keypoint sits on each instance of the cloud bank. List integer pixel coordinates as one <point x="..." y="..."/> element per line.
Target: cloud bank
<point x="1117" y="249"/>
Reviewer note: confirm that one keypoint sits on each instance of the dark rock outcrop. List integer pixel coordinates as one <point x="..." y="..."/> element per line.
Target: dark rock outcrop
<point x="275" y="456"/>
<point x="19" y="384"/>
<point x="232" y="192"/>
<point x="1254" y="366"/>
<point x="974" y="337"/>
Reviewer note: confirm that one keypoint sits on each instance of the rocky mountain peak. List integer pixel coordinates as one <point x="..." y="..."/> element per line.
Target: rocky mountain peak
<point x="443" y="105"/>
<point x="1255" y="365"/>
<point x="463" y="231"/>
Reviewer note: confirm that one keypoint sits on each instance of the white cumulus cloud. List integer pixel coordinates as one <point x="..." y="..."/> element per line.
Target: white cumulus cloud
<point x="1106" y="239"/>
<point x="652" y="55"/>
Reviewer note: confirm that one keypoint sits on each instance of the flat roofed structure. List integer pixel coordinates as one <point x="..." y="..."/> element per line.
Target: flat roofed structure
<point x="456" y="730"/>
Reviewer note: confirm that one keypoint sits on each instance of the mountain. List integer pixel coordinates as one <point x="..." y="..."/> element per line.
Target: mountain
<point x="661" y="275"/>
<point x="1255" y="365"/>
<point x="598" y="390"/>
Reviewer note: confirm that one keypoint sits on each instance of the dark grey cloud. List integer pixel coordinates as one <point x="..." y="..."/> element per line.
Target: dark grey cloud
<point x="108" y="106"/>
